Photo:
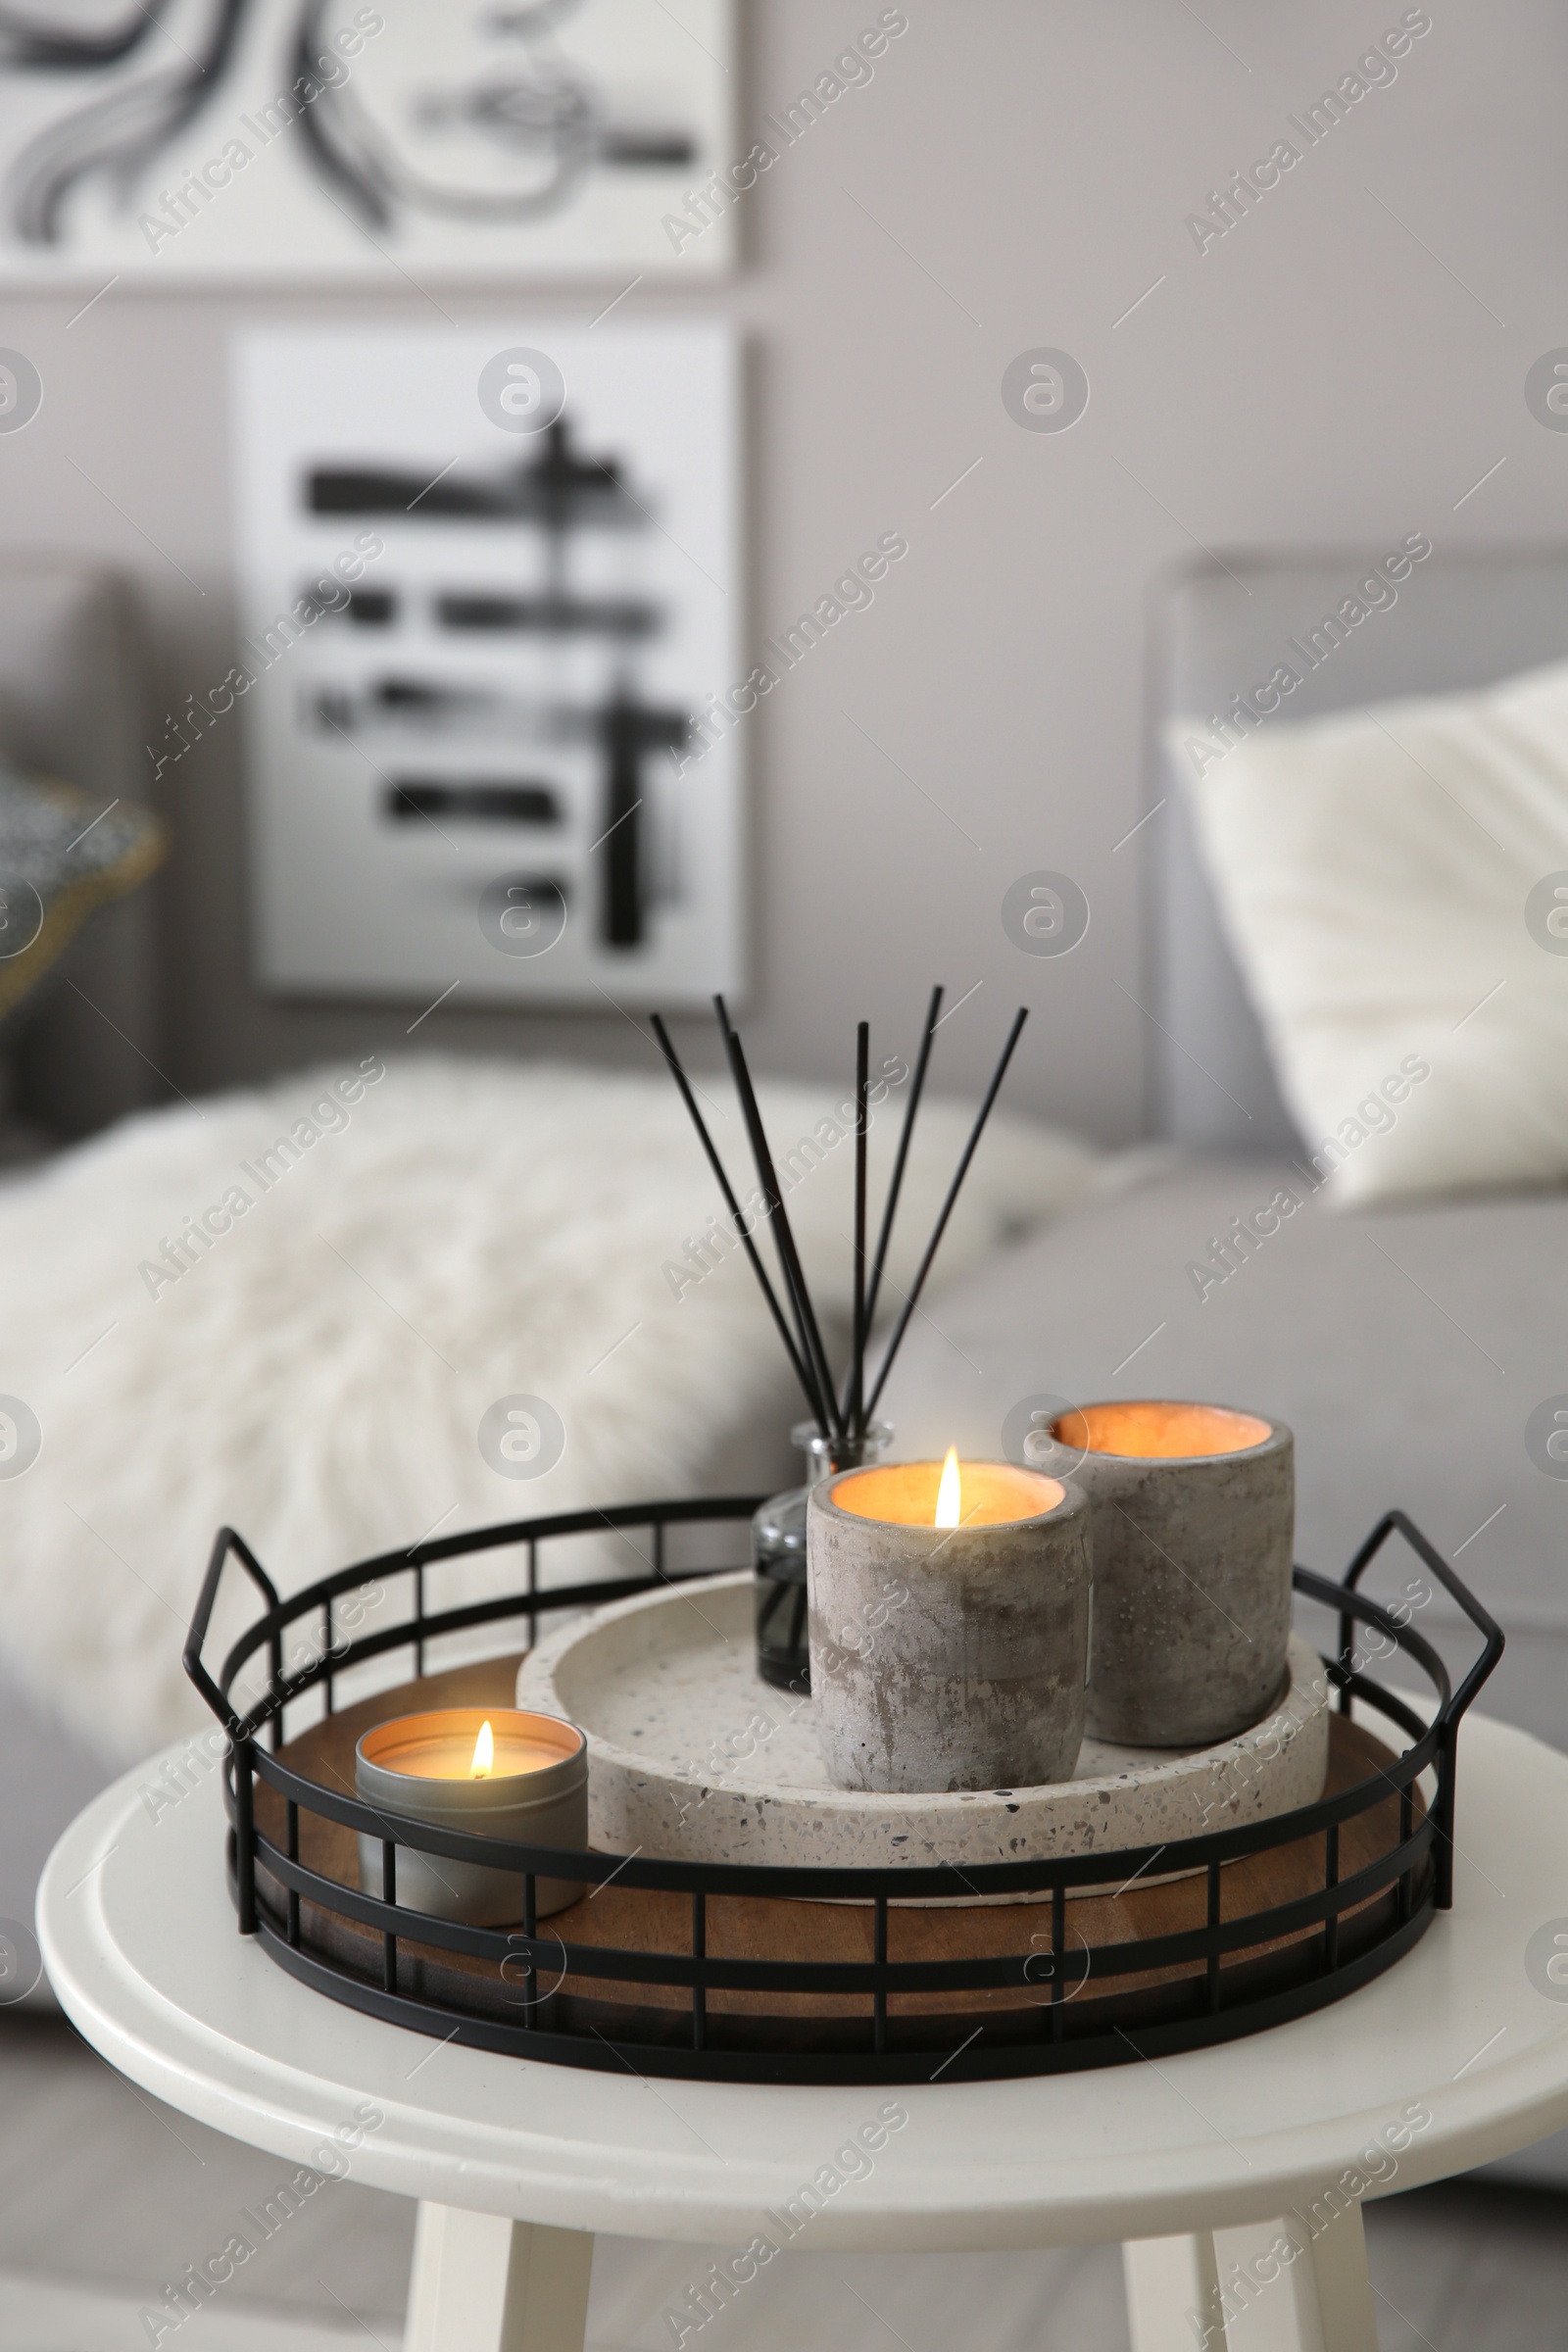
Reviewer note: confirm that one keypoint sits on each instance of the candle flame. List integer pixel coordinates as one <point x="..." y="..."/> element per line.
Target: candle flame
<point x="484" y="1753"/>
<point x="949" y="1501"/>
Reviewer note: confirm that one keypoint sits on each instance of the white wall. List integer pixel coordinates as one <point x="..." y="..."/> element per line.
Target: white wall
<point x="1322" y="375"/>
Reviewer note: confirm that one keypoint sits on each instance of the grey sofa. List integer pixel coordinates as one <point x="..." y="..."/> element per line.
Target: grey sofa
<point x="1407" y="1346"/>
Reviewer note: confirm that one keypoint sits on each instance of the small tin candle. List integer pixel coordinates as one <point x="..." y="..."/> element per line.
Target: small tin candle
<point x="498" y="1771"/>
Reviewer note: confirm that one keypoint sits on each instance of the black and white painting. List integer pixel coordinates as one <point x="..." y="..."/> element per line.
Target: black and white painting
<point x="490" y="581"/>
<point x="151" y="141"/>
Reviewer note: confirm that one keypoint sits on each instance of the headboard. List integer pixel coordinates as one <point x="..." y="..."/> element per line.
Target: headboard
<point x="1218" y="631"/>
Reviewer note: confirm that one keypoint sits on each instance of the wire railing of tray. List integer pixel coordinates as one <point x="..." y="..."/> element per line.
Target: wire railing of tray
<point x="1049" y="2001"/>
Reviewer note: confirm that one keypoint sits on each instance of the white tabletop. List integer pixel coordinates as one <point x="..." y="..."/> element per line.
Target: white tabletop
<point x="141" y="1946"/>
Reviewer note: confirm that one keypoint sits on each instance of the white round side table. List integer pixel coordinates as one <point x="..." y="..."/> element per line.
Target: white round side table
<point x="1234" y="2176"/>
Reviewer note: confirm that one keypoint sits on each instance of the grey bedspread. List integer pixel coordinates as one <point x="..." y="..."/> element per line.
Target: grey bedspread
<point x="1412" y="1351"/>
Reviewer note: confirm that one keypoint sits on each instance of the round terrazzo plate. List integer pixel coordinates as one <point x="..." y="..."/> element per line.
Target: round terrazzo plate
<point x="692" y="1756"/>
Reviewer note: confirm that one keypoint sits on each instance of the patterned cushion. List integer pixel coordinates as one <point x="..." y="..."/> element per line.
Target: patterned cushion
<point x="63" y="854"/>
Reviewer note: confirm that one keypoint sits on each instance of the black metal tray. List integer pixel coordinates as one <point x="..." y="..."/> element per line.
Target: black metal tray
<point x="747" y="1973"/>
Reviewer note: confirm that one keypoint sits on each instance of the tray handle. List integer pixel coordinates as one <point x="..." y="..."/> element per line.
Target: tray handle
<point x="1455" y="1704"/>
<point x="1491" y="1633"/>
<point x="226" y="1541"/>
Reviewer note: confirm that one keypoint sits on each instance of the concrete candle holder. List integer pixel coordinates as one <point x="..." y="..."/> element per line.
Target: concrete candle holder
<point x="948" y="1657"/>
<point x="1194" y="1517"/>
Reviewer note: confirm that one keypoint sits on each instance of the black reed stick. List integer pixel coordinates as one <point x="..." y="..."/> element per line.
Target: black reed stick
<point x="961" y="1171"/>
<point x="843" y="1426"/>
<point x="812" y="1351"/>
<point x="895" y="1181"/>
<point x="811" y="1347"/>
<point x="853" y="1414"/>
<point x="738" y="1219"/>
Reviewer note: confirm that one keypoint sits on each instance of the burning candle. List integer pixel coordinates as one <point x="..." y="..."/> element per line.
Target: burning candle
<point x="948" y="1625"/>
<point x="1193" y="1515"/>
<point x="950" y="1492"/>
<point x="502" y="1772"/>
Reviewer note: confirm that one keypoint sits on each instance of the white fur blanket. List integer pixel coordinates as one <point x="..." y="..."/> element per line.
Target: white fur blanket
<point x="302" y="1338"/>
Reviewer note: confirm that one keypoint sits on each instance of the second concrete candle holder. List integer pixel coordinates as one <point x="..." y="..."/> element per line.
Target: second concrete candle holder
<point x="1194" y="1530"/>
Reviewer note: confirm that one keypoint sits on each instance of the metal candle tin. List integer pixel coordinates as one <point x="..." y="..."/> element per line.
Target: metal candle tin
<point x="396" y="1764"/>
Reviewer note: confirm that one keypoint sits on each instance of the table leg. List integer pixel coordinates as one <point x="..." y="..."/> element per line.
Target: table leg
<point x="1173" y="2296"/>
<point x="1298" y="2284"/>
<point x="482" y="2284"/>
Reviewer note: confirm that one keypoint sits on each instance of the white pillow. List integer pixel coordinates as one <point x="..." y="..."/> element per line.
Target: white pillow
<point x="1389" y="879"/>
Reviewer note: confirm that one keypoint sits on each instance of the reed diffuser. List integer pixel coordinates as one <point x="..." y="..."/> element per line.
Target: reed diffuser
<point x="843" y="1432"/>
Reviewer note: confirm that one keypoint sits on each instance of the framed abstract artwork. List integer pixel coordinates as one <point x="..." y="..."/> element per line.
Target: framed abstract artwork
<point x="156" y="141"/>
<point x="490" y="591"/>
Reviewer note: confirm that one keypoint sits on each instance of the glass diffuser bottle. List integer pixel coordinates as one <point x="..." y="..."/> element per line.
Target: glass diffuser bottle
<point x="778" y="1554"/>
